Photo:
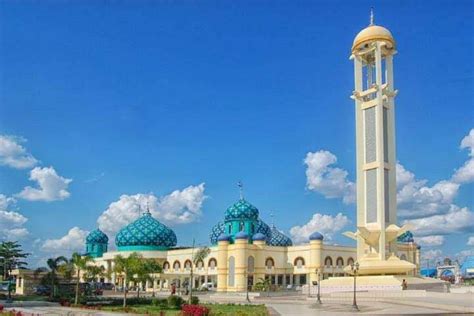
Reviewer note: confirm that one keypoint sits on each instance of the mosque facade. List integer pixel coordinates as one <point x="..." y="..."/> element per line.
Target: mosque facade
<point x="243" y="250"/>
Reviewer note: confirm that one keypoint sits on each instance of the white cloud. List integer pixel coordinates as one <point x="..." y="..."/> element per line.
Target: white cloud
<point x="327" y="225"/>
<point x="329" y="181"/>
<point x="432" y="254"/>
<point x="465" y="174"/>
<point x="11" y="223"/>
<point x="179" y="207"/>
<point x="470" y="241"/>
<point x="51" y="186"/>
<point x="73" y="241"/>
<point x="415" y="199"/>
<point x="465" y="253"/>
<point x="457" y="220"/>
<point x="430" y="241"/>
<point x="13" y="154"/>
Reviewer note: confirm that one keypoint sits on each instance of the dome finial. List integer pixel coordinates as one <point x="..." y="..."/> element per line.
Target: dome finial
<point x="148" y="207"/>
<point x="241" y="189"/>
<point x="371" y="16"/>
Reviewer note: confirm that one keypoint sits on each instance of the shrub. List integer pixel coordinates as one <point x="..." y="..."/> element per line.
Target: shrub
<point x="162" y="302"/>
<point x="195" y="310"/>
<point x="175" y="301"/>
<point x="194" y="300"/>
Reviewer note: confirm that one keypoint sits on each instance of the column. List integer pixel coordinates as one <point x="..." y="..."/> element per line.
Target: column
<point x="222" y="269"/>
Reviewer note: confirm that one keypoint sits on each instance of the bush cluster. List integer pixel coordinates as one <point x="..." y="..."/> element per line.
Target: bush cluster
<point x="195" y="310"/>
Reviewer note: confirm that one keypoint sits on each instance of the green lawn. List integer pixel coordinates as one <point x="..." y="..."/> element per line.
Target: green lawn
<point x="215" y="310"/>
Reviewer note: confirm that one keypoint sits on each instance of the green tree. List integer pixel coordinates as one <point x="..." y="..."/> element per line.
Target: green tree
<point x="146" y="271"/>
<point x="54" y="267"/>
<point x="80" y="263"/>
<point x="92" y="273"/>
<point x="197" y="256"/>
<point x="11" y="257"/>
<point x="128" y="267"/>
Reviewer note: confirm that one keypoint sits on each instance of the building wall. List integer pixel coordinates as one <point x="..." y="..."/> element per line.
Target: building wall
<point x="228" y="264"/>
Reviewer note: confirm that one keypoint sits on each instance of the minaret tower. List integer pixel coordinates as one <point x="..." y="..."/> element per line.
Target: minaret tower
<point x="372" y="52"/>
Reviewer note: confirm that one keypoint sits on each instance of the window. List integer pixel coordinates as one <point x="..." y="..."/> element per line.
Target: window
<point x="230" y="228"/>
<point x="231" y="271"/>
<point x="176" y="265"/>
<point x="200" y="264"/>
<point x="250" y="264"/>
<point x="269" y="263"/>
<point x="166" y="265"/>
<point x="187" y="264"/>
<point x="403" y="257"/>
<point x="212" y="263"/>
<point x="299" y="262"/>
<point x="241" y="226"/>
<point x="328" y="262"/>
<point x="340" y="262"/>
<point x="350" y="261"/>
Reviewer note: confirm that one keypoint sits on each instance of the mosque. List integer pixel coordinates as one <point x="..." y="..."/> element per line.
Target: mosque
<point x="245" y="249"/>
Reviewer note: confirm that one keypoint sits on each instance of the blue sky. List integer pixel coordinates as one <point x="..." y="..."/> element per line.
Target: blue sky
<point x="153" y="97"/>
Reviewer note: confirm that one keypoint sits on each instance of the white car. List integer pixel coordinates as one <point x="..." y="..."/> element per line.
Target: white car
<point x="207" y="286"/>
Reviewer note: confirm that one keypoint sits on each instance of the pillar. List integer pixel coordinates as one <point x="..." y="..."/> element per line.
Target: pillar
<point x="315" y="253"/>
<point x="240" y="255"/>
<point x="222" y="269"/>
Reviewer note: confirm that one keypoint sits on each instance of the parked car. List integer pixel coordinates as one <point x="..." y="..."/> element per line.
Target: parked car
<point x="42" y="290"/>
<point x="107" y="286"/>
<point x="208" y="286"/>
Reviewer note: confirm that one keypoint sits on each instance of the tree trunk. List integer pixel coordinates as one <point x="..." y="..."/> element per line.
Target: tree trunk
<point x="125" y="289"/>
<point x="76" y="299"/>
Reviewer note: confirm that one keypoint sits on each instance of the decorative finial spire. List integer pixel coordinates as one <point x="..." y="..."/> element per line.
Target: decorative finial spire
<point x="372" y="16"/>
<point x="148" y="207"/>
<point x="241" y="189"/>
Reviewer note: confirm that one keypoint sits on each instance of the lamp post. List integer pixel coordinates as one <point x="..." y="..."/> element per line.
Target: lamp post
<point x="247" y="286"/>
<point x="319" y="287"/>
<point x="355" y="269"/>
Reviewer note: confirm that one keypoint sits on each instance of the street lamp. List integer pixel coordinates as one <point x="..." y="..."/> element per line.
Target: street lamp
<point x="355" y="269"/>
<point x="319" y="286"/>
<point x="247" y="288"/>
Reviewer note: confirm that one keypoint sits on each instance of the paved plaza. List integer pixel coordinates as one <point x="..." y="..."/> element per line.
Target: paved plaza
<point x="431" y="303"/>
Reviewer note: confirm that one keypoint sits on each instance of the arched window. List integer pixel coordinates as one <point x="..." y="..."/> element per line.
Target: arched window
<point x="231" y="271"/>
<point x="328" y="262"/>
<point x="350" y="261"/>
<point x="176" y="265"/>
<point x="252" y="228"/>
<point x="166" y="265"/>
<point x="340" y="262"/>
<point x="251" y="264"/>
<point x="241" y="226"/>
<point x="403" y="257"/>
<point x="299" y="262"/>
<point x="187" y="264"/>
<point x="230" y="228"/>
<point x="212" y="263"/>
<point x="200" y="264"/>
<point x="269" y="263"/>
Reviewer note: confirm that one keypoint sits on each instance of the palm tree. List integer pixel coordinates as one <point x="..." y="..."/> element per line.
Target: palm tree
<point x="11" y="256"/>
<point x="197" y="256"/>
<point x="128" y="266"/>
<point x="53" y="265"/>
<point x="80" y="263"/>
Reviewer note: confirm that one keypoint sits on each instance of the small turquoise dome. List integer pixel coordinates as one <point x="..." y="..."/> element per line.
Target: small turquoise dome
<point x="241" y="235"/>
<point x="259" y="237"/>
<point x="316" y="236"/>
<point x="97" y="237"/>
<point x="223" y="237"/>
<point x="277" y="238"/>
<point x="216" y="232"/>
<point x="145" y="233"/>
<point x="241" y="210"/>
<point x="406" y="237"/>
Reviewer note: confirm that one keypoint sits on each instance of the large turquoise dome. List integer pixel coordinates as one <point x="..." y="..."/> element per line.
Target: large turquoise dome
<point x="242" y="210"/>
<point x="277" y="238"/>
<point x="145" y="233"/>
